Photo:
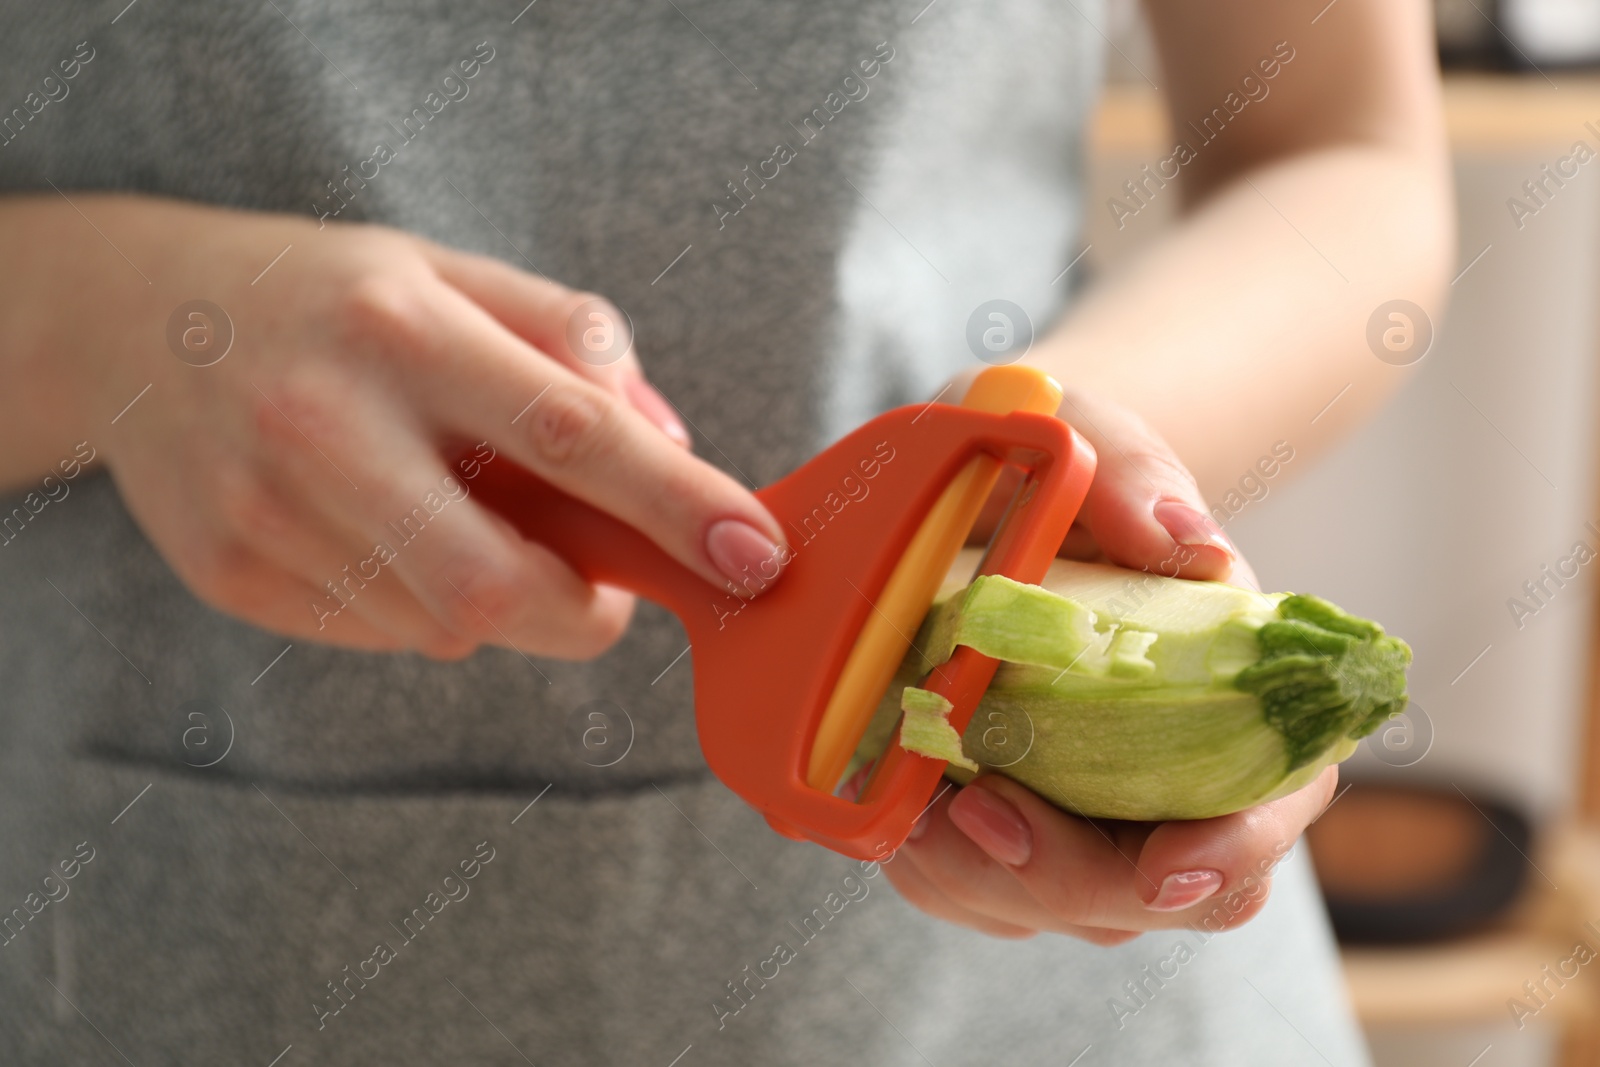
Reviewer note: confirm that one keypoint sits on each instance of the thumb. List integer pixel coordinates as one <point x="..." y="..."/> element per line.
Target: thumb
<point x="1144" y="508"/>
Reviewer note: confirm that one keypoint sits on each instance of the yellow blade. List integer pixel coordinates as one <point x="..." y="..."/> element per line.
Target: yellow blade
<point x="898" y="612"/>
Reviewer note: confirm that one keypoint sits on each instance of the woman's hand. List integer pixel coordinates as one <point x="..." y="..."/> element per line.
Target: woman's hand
<point x="996" y="858"/>
<point x="359" y="360"/>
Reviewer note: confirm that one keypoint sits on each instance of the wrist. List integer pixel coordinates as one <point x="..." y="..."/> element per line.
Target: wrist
<point x="59" y="295"/>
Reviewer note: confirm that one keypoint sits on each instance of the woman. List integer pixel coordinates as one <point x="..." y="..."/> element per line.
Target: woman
<point x="270" y="265"/>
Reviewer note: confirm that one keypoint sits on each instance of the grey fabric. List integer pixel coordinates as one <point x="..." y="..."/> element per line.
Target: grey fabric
<point x="218" y="903"/>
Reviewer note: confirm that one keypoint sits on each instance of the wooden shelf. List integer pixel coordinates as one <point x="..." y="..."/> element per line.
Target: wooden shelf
<point x="1471" y="980"/>
<point x="1486" y="113"/>
<point x="1467" y="981"/>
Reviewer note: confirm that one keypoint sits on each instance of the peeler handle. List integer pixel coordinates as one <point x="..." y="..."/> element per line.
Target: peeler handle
<point x="599" y="546"/>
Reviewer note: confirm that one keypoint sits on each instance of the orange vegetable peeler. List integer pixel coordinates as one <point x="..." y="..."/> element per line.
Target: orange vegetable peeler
<point x="786" y="683"/>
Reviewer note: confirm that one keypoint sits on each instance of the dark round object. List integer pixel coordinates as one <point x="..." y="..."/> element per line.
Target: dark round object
<point x="1414" y="863"/>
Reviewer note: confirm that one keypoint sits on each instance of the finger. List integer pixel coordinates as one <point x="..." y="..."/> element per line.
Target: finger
<point x="582" y="440"/>
<point x="994" y="896"/>
<point x="469" y="567"/>
<point x="1244" y="575"/>
<point x="921" y="894"/>
<point x="1182" y="861"/>
<point x="972" y="879"/>
<point x="238" y="582"/>
<point x="477" y="576"/>
<point x="546" y="314"/>
<point x="1080" y="544"/>
<point x="1072" y="867"/>
<point x="346" y="630"/>
<point x="486" y="583"/>
<point x="1143" y="505"/>
<point x="964" y="874"/>
<point x="226" y="573"/>
<point x="301" y="541"/>
<point x="586" y="333"/>
<point x="1107" y="938"/>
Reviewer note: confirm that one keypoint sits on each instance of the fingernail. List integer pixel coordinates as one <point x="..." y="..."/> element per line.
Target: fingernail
<point x="1185" y="889"/>
<point x="744" y="555"/>
<point x="919" y="827"/>
<point x="994" y="825"/>
<point x="653" y="406"/>
<point x="1190" y="527"/>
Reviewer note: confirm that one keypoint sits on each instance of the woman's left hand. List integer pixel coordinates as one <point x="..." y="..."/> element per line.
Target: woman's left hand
<point x="996" y="858"/>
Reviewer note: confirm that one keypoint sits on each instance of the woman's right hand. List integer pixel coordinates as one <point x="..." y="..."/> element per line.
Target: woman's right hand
<point x="359" y="358"/>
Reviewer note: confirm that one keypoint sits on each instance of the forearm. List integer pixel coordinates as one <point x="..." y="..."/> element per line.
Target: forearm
<point x="1243" y="323"/>
<point x="56" y="283"/>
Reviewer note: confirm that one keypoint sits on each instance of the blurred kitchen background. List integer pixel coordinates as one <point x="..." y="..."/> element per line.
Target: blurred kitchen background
<point x="1464" y="863"/>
